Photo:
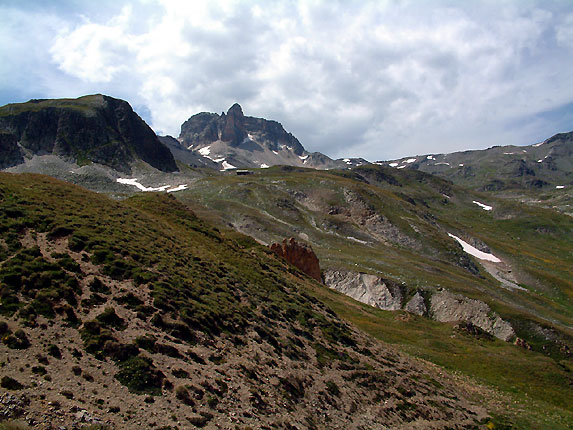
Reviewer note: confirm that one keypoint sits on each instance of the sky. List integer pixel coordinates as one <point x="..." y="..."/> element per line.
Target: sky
<point x="377" y="79"/>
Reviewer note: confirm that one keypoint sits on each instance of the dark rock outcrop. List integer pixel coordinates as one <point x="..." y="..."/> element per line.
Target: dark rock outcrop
<point x="299" y="255"/>
<point x="94" y="128"/>
<point x="10" y="153"/>
<point x="234" y="128"/>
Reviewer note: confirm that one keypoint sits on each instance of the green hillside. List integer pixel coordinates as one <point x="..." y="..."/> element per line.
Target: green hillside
<point x="141" y="313"/>
<point x="138" y="314"/>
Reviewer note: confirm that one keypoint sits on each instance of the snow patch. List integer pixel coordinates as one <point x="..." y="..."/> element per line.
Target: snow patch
<point x="430" y="157"/>
<point x="205" y="151"/>
<point x="251" y="137"/>
<point x="476" y="252"/>
<point x="540" y="161"/>
<point x="560" y="187"/>
<point x="393" y="164"/>
<point x="484" y="207"/>
<point x="409" y="160"/>
<point x="227" y="166"/>
<point x="275" y="152"/>
<point x="401" y="167"/>
<point x="141" y="187"/>
<point x="461" y="164"/>
<point x="442" y="162"/>
<point x="264" y="166"/>
<point x="303" y="157"/>
<point x="538" y="144"/>
<point x="178" y="188"/>
<point x="363" y="242"/>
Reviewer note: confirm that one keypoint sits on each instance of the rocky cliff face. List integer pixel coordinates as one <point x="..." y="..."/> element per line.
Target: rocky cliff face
<point x="444" y="305"/>
<point x="10" y="153"/>
<point x="299" y="255"/>
<point x="448" y="307"/>
<point x="416" y="305"/>
<point x="95" y="128"/>
<point x="234" y="128"/>
<point x="234" y="140"/>
<point x="365" y="288"/>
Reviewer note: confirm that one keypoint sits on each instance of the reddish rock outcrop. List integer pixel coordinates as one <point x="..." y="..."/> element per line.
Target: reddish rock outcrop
<point x="299" y="255"/>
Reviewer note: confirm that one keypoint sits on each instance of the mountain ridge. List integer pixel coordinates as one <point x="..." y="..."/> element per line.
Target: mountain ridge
<point x="89" y="129"/>
<point x="238" y="141"/>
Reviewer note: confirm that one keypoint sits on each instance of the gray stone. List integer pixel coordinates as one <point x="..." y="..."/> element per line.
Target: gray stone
<point x="449" y="307"/>
<point x="365" y="288"/>
<point x="416" y="305"/>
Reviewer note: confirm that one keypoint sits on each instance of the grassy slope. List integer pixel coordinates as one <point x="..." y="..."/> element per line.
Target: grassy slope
<point x="539" y="385"/>
<point x="536" y="242"/>
<point x="85" y="104"/>
<point x="218" y="283"/>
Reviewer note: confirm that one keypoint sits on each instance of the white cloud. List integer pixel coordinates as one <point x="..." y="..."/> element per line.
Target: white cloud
<point x="371" y="79"/>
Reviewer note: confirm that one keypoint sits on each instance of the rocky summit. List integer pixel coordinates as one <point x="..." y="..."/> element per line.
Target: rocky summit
<point x="233" y="140"/>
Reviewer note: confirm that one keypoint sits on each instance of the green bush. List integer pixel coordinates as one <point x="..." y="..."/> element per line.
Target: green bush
<point x="146" y="342"/>
<point x="4" y="329"/>
<point x="18" y="340"/>
<point x="10" y="383"/>
<point x="108" y="318"/>
<point x="180" y="373"/>
<point x="94" y="337"/>
<point x="39" y="370"/>
<point x="97" y="286"/>
<point x="118" y="351"/>
<point x="54" y="351"/>
<point x="182" y="394"/>
<point x="140" y="376"/>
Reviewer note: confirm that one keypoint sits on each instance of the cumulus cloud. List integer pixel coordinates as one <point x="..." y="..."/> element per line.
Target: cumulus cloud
<point x="372" y="79"/>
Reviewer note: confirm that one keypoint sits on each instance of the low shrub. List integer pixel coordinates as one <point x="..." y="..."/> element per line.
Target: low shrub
<point x="10" y="383"/>
<point x="54" y="351"/>
<point x="108" y="318"/>
<point x="140" y="376"/>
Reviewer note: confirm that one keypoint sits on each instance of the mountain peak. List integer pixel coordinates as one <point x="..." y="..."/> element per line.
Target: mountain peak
<point x="235" y="110"/>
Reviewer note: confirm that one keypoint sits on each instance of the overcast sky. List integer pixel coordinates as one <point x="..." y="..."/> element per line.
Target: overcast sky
<point x="373" y="79"/>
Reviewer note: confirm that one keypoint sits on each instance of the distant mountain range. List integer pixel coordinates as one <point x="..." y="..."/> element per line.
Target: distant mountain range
<point x="549" y="163"/>
<point x="101" y="129"/>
